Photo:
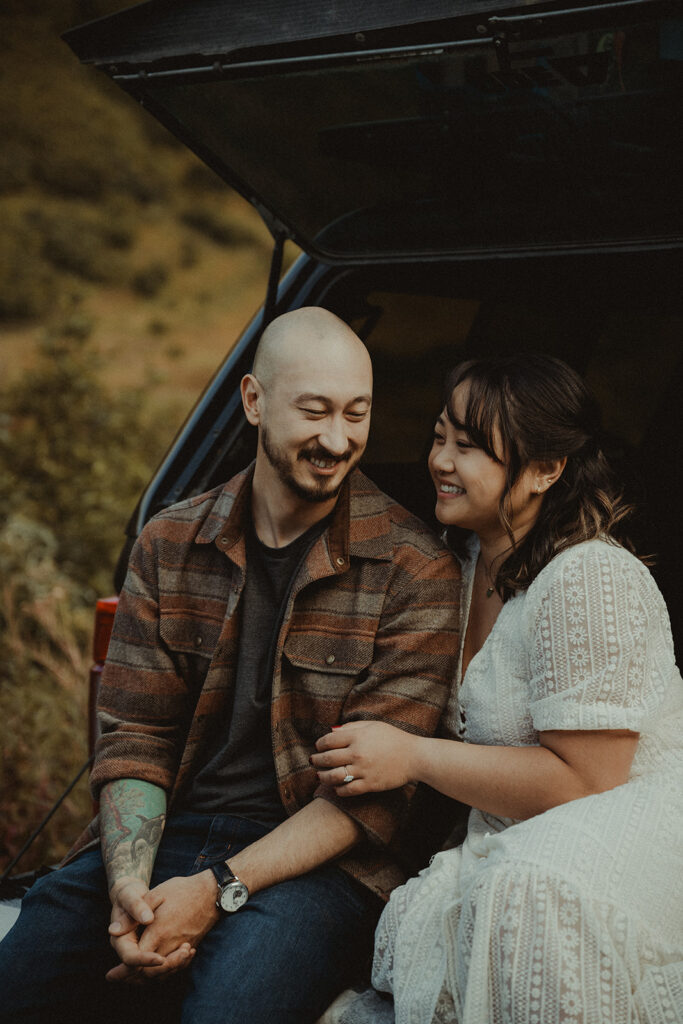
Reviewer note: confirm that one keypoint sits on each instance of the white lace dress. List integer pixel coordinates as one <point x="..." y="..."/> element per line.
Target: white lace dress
<point x="574" y="916"/>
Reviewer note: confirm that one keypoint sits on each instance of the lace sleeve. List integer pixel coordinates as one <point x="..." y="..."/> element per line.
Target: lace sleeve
<point x="601" y="649"/>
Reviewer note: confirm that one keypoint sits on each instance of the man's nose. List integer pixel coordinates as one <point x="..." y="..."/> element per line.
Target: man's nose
<point x="334" y="437"/>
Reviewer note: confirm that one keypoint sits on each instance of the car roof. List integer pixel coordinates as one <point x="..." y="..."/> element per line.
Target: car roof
<point x="388" y="130"/>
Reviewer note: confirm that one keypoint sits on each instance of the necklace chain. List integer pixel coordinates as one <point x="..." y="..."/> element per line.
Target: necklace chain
<point x="491" y="588"/>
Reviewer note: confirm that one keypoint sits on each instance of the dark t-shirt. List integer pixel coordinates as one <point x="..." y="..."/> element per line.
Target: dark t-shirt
<point x="238" y="776"/>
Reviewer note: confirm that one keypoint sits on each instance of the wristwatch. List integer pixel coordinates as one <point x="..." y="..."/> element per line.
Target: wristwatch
<point x="232" y="894"/>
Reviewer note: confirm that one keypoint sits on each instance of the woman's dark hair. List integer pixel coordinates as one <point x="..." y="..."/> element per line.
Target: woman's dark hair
<point x="540" y="409"/>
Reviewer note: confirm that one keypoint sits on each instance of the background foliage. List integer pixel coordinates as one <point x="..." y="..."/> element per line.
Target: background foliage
<point x="67" y="478"/>
<point x="126" y="270"/>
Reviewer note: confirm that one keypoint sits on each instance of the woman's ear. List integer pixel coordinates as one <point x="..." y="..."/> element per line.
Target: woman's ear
<point x="547" y="472"/>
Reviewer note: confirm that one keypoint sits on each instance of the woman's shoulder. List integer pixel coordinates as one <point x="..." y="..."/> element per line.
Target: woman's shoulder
<point x="596" y="565"/>
<point x="590" y="556"/>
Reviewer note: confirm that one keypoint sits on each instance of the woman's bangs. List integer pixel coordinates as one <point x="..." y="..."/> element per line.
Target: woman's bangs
<point x="482" y="414"/>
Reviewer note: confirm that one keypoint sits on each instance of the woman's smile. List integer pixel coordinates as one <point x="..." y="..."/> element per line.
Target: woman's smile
<point x="451" y="489"/>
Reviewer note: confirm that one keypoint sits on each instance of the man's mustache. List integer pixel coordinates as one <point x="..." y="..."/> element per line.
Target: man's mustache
<point x="322" y="453"/>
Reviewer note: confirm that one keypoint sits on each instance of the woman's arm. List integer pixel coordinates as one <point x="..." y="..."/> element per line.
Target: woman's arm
<point x="513" y="782"/>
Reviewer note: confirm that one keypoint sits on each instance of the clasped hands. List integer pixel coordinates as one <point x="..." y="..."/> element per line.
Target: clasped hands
<point x="155" y="932"/>
<point x="377" y="755"/>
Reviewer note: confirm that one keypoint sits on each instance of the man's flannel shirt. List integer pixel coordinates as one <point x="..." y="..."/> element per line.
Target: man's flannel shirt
<point x="370" y="631"/>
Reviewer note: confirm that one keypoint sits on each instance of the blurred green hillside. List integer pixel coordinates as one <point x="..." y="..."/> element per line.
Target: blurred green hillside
<point x="105" y="217"/>
<point x="127" y="269"/>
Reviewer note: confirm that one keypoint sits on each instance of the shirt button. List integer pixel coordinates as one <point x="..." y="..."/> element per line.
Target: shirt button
<point x="329" y="659"/>
<point x="198" y="641"/>
<point x="340" y="561"/>
<point x="223" y="541"/>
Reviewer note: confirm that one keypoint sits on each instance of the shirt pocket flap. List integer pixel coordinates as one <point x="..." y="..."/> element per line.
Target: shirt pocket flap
<point x="341" y="654"/>
<point x="186" y="634"/>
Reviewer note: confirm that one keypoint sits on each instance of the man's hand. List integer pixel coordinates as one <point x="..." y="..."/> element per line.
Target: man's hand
<point x="132" y="909"/>
<point x="182" y="912"/>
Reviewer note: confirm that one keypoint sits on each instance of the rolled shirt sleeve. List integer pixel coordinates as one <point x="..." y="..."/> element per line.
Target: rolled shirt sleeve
<point x="142" y="702"/>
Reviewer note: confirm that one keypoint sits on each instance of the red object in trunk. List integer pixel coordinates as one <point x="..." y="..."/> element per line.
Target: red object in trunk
<point x="105" y="611"/>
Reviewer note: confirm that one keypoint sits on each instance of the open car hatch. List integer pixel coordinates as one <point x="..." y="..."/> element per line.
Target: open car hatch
<point x="363" y="133"/>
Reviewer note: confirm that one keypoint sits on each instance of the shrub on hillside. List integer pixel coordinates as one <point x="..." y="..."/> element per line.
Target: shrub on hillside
<point x="73" y="458"/>
<point x="82" y="247"/>
<point x="217" y="228"/>
<point x="43" y="697"/>
<point x="40" y="245"/>
<point x="150" y="280"/>
<point x="76" y="455"/>
<point x="28" y="283"/>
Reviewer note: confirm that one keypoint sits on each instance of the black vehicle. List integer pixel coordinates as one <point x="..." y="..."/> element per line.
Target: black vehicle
<point x="463" y="176"/>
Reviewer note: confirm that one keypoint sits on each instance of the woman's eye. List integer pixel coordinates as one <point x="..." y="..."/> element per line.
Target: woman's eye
<point x="314" y="412"/>
<point x="438" y="438"/>
<point x="465" y="444"/>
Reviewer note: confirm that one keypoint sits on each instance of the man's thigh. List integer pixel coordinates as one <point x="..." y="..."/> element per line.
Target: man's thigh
<point x="58" y="951"/>
<point x="285" y="955"/>
<point x="54" y="959"/>
<point x="289" y="950"/>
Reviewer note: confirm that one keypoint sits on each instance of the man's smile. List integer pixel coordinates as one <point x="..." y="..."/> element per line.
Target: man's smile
<point x="322" y="462"/>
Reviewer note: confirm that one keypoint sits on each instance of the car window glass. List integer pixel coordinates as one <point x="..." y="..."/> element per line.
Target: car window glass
<point x="569" y="140"/>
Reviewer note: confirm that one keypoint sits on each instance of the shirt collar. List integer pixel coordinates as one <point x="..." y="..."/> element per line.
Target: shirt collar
<point x="360" y="524"/>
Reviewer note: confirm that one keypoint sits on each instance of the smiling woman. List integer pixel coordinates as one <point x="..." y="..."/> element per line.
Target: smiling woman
<point x="470" y="482"/>
<point x="523" y="434"/>
<point x="569" y="707"/>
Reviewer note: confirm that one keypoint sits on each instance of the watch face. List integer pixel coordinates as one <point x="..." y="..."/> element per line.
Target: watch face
<point x="233" y="896"/>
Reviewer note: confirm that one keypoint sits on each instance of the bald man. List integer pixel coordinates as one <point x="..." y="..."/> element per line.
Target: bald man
<point x="226" y="880"/>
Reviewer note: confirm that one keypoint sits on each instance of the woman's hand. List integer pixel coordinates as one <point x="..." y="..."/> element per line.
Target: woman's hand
<point x="378" y="756"/>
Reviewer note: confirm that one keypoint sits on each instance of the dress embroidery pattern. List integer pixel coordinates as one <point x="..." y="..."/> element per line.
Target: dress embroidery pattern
<point x="574" y="916"/>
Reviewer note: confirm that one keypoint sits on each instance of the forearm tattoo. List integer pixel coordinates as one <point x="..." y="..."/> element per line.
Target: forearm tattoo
<point x="132" y="816"/>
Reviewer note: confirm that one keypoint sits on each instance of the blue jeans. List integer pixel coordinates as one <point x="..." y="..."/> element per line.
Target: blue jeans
<point x="282" y="958"/>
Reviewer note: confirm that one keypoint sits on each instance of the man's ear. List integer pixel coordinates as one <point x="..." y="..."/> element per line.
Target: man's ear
<point x="251" y="392"/>
<point x="548" y="472"/>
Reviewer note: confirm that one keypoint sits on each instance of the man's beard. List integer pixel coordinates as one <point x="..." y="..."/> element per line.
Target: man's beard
<point x="282" y="464"/>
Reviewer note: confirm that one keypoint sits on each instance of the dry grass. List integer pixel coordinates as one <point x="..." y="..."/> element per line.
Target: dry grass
<point x="43" y="698"/>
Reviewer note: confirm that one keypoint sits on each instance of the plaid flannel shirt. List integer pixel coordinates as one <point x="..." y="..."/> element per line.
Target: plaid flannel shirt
<point x="370" y="632"/>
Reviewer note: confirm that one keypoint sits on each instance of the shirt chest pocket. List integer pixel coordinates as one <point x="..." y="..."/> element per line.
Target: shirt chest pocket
<point x="191" y="643"/>
<point x="326" y="664"/>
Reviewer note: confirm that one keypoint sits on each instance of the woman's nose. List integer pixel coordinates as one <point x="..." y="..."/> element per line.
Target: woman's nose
<point x="442" y="460"/>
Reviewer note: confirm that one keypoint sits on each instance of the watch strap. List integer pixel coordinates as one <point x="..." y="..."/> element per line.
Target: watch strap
<point x="223" y="874"/>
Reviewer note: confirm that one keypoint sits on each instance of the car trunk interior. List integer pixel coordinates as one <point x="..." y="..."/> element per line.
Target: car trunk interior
<point x="621" y="328"/>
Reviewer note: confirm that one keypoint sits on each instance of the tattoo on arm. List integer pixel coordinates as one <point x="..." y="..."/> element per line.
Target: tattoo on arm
<point x="132" y="815"/>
